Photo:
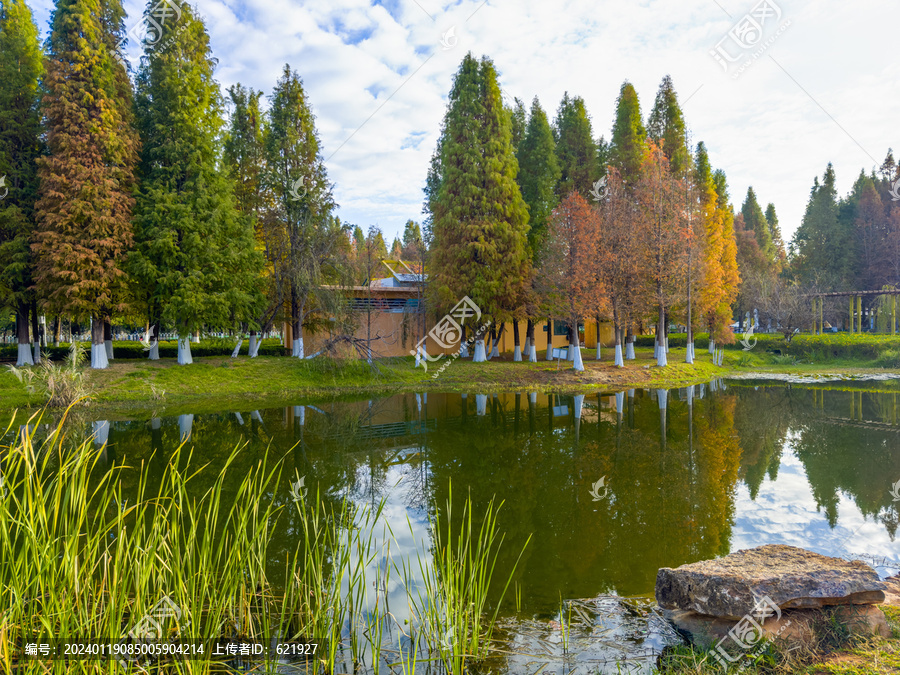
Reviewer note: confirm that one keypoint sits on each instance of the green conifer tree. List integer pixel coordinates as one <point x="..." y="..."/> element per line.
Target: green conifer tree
<point x="20" y="146"/>
<point x="195" y="258"/>
<point x="479" y="220"/>
<point x="666" y="126"/>
<point x="629" y="138"/>
<point x="576" y="150"/>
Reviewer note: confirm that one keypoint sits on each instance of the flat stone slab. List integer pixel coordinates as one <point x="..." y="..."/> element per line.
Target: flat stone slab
<point x="790" y="577"/>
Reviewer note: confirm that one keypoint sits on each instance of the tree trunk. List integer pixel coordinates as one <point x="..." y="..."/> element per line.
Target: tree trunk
<point x="549" y="339"/>
<point x="99" y="361"/>
<point x="617" y="329"/>
<point x="629" y="344"/>
<point x="153" y="339"/>
<point x="296" y="326"/>
<point x="184" y="351"/>
<point x="56" y="330"/>
<point x="517" y="352"/>
<point x="496" y="335"/>
<point x="253" y="349"/>
<point x="570" y="353"/>
<point x="480" y="356"/>
<point x="26" y="355"/>
<point x="463" y="343"/>
<point x="597" y="319"/>
<point x="661" y="359"/>
<point x="35" y="334"/>
<point x="576" y="347"/>
<point x="532" y="349"/>
<point x="237" y="345"/>
<point x="107" y="339"/>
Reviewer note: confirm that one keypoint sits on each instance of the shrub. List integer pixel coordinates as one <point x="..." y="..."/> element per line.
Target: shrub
<point x="61" y="384"/>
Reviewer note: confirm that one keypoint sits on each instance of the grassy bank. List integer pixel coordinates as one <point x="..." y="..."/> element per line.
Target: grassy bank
<point x="213" y="381"/>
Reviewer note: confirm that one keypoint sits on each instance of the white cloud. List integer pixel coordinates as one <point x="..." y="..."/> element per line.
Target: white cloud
<point x="357" y="57"/>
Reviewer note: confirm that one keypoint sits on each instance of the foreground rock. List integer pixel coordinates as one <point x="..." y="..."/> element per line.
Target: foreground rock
<point x="794" y="625"/>
<point x="791" y="577"/>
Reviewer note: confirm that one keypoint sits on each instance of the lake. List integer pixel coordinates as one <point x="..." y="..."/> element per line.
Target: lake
<point x="610" y="487"/>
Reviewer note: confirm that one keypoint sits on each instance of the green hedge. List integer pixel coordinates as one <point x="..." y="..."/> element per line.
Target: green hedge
<point x="676" y="340"/>
<point x="167" y="349"/>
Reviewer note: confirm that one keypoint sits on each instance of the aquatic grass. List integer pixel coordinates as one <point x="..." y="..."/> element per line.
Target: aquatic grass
<point x="451" y="606"/>
<point x="82" y="560"/>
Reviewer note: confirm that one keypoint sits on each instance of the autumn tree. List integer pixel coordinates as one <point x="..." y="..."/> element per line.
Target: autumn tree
<point x="660" y="199"/>
<point x="20" y="146"/>
<point x="84" y="229"/>
<point x="568" y="266"/>
<point x="620" y="250"/>
<point x="478" y="219"/>
<point x="195" y="256"/>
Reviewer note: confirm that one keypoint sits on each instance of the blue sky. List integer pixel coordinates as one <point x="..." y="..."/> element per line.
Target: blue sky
<point x="822" y="88"/>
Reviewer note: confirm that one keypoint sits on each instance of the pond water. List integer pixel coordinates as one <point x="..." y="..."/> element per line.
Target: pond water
<point x="610" y="487"/>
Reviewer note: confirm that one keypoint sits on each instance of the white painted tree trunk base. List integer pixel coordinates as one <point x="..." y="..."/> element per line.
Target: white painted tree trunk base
<point x="253" y="350"/>
<point x="577" y="363"/>
<point x="480" y="356"/>
<point x="153" y="354"/>
<point x="155" y="423"/>
<point x="661" y="359"/>
<point x="667" y="345"/>
<point x="37" y="353"/>
<point x="597" y="354"/>
<point x="98" y="357"/>
<point x="184" y="352"/>
<point x="579" y="405"/>
<point x="517" y="354"/>
<point x="620" y="402"/>
<point x="629" y="351"/>
<point x="239" y="418"/>
<point x="655" y="349"/>
<point x="570" y="354"/>
<point x="532" y="356"/>
<point x="195" y="339"/>
<point x="550" y="349"/>
<point x="109" y="349"/>
<point x="300" y="414"/>
<point x="619" y="362"/>
<point x="26" y="357"/>
<point x="689" y="353"/>
<point x="297" y="350"/>
<point x="712" y="346"/>
<point x="464" y="349"/>
<point x="237" y="348"/>
<point x="480" y="404"/>
<point x="690" y="395"/>
<point x="532" y="397"/>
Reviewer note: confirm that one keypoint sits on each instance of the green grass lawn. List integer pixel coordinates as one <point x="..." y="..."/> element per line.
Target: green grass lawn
<point x="211" y="381"/>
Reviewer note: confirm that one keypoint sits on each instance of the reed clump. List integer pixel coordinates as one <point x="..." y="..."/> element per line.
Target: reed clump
<point x="79" y="558"/>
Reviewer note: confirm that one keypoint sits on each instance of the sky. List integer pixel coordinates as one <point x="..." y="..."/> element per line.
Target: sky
<point x="776" y="88"/>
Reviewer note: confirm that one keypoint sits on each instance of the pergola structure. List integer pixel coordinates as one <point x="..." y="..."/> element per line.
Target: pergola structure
<point x="856" y="308"/>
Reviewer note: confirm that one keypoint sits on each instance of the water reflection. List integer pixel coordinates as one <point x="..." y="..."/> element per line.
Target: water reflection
<point x="688" y="474"/>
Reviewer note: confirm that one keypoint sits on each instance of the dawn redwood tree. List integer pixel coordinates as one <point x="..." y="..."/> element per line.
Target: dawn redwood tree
<point x="568" y="266"/>
<point x="479" y="221"/>
<point x="244" y="154"/>
<point x="625" y="153"/>
<point x="20" y="146"/>
<point x="308" y="240"/>
<point x="621" y="239"/>
<point x="576" y="150"/>
<point x="538" y="176"/>
<point x="718" y="255"/>
<point x="663" y="260"/>
<point x="666" y="128"/>
<point x="84" y="229"/>
<point x="195" y="258"/>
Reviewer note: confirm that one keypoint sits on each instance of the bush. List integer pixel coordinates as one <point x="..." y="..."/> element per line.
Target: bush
<point x="61" y="385"/>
